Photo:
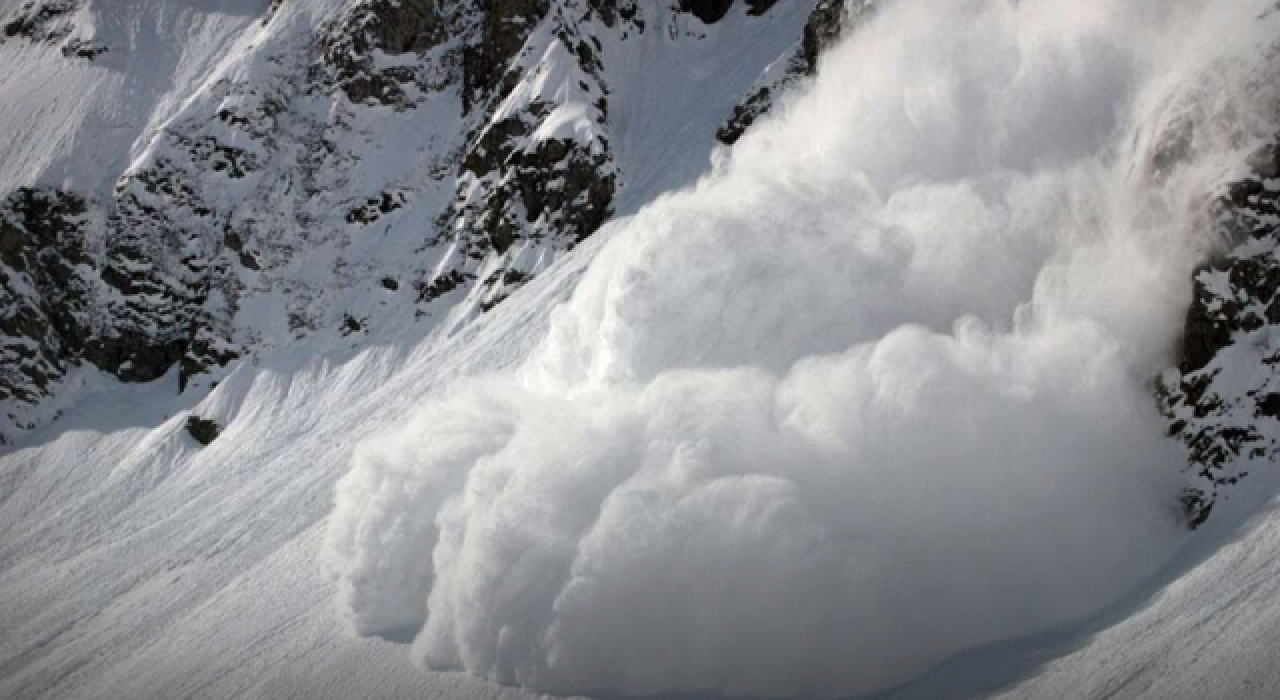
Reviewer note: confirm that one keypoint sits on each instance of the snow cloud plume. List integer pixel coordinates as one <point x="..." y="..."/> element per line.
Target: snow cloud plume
<point x="874" y="392"/>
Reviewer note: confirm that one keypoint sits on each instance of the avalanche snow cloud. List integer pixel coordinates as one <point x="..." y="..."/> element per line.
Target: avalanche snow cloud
<point x="875" y="391"/>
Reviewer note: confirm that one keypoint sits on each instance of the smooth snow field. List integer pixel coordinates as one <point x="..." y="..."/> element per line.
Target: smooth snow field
<point x="865" y="411"/>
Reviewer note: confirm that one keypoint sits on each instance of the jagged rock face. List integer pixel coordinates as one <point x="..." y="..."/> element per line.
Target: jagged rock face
<point x="84" y="284"/>
<point x="829" y="21"/>
<point x="709" y="11"/>
<point x="476" y="42"/>
<point x="43" y="21"/>
<point x="712" y="11"/>
<point x="161" y="260"/>
<point x="1228" y="380"/>
<point x="46" y="283"/>
<point x="509" y="188"/>
<point x="505" y="25"/>
<point x="52" y="22"/>
<point x="615" y="12"/>
<point x="389" y="26"/>
<point x="515" y="187"/>
<point x="761" y="101"/>
<point x="408" y="160"/>
<point x="202" y="430"/>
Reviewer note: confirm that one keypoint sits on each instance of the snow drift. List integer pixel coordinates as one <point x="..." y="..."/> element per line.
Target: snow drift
<point x="875" y="391"/>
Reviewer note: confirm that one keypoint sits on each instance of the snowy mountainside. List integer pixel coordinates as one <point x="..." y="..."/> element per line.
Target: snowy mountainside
<point x="528" y="351"/>
<point x="330" y="172"/>
<point x="1222" y="400"/>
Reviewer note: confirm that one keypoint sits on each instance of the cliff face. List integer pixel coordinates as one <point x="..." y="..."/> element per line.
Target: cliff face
<point x="829" y="20"/>
<point x="1223" y="400"/>
<point x="338" y="170"/>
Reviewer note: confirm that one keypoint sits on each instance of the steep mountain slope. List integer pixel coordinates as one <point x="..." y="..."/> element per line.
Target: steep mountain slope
<point x="316" y="172"/>
<point x="279" y="182"/>
<point x="619" y="384"/>
<point x="1223" y="400"/>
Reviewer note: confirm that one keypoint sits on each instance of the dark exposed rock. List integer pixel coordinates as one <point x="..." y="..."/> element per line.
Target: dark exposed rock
<point x="513" y="187"/>
<point x="121" y="309"/>
<point x="557" y="186"/>
<point x="81" y="48"/>
<point x="173" y="257"/>
<point x="442" y="284"/>
<point x="46" y="287"/>
<point x="52" y="22"/>
<point x="393" y="27"/>
<point x="826" y="24"/>
<point x="828" y="21"/>
<point x="747" y="112"/>
<point x="157" y="269"/>
<point x="233" y="241"/>
<point x="479" y="40"/>
<point x="505" y="25"/>
<point x="168" y="248"/>
<point x="712" y="11"/>
<point x="1269" y="405"/>
<point x="134" y="356"/>
<point x="204" y="431"/>
<point x="45" y="20"/>
<point x="1236" y="304"/>
<point x="375" y="208"/>
<point x="612" y="12"/>
<point x="53" y="291"/>
<point x="709" y="11"/>
<point x="1208" y="327"/>
<point x="204" y="351"/>
<point x="352" y="325"/>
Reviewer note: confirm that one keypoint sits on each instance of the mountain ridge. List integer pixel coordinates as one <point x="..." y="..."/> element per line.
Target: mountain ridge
<point x="193" y="260"/>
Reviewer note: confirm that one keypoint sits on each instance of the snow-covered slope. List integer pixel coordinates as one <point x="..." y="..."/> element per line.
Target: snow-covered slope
<point x="490" y="389"/>
<point x="227" y="179"/>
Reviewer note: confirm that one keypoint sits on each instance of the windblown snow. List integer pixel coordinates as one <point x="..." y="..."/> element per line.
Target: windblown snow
<point x="867" y="410"/>
<point x="874" y="392"/>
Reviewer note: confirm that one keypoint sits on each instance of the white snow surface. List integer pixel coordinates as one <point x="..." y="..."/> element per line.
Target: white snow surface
<point x="82" y="123"/>
<point x="864" y="411"/>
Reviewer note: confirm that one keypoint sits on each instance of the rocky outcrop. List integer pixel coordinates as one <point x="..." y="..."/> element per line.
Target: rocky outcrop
<point x="504" y="26"/>
<point x="712" y="11"/>
<point x="160" y="260"/>
<point x="410" y="153"/>
<point x="52" y="22"/>
<point x="394" y="27"/>
<point x="46" y="288"/>
<point x="117" y="287"/>
<point x="45" y="21"/>
<point x="519" y="187"/>
<point x="462" y="44"/>
<point x="1224" y="397"/>
<point x="829" y="21"/>
<point x="709" y="11"/>
<point x="83" y="48"/>
<point x="202" y="430"/>
<point x="762" y="98"/>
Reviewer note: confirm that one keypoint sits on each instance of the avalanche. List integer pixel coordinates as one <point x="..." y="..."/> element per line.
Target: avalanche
<point x="862" y="405"/>
<point x="874" y="392"/>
